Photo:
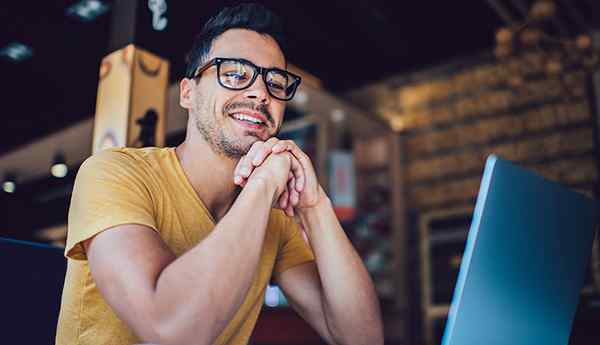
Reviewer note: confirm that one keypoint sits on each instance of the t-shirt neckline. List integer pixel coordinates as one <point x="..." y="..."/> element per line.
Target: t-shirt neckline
<point x="186" y="182"/>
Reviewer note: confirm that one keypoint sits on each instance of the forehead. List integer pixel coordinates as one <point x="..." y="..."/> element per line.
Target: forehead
<point x="262" y="50"/>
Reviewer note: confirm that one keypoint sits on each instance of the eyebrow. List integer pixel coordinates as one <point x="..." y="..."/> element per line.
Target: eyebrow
<point x="285" y="64"/>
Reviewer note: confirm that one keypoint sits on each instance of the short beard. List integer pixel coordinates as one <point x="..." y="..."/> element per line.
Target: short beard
<point x="232" y="148"/>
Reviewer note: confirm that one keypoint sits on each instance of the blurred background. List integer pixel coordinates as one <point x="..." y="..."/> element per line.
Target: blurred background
<point x="400" y="104"/>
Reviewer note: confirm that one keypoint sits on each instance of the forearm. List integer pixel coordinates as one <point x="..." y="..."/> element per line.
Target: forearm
<point x="350" y="303"/>
<point x="199" y="293"/>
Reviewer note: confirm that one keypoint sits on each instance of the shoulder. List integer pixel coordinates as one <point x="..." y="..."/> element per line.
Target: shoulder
<point x="123" y="160"/>
<point x="107" y="159"/>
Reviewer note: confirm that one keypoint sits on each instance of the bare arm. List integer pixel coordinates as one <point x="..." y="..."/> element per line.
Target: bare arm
<point x="336" y="296"/>
<point x="302" y="287"/>
<point x="172" y="300"/>
<point x="168" y="300"/>
<point x="350" y="308"/>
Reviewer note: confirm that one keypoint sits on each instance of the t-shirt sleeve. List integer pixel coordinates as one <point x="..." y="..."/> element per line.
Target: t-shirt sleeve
<point x="293" y="250"/>
<point x="109" y="190"/>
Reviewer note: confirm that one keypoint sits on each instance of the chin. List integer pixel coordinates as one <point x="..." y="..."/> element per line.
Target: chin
<point x="252" y="137"/>
<point x="243" y="145"/>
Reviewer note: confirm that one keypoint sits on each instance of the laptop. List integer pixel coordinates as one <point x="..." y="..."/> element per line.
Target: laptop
<point x="524" y="262"/>
<point x="31" y="286"/>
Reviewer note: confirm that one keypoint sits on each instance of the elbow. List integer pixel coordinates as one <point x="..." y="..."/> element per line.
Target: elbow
<point x="366" y="339"/>
<point x="174" y="323"/>
<point x="376" y="337"/>
<point x="165" y="332"/>
<point x="169" y="329"/>
<point x="375" y="334"/>
<point x="170" y="333"/>
<point x="372" y="335"/>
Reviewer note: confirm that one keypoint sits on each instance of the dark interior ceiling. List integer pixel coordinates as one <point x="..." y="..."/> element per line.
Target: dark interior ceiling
<point x="344" y="43"/>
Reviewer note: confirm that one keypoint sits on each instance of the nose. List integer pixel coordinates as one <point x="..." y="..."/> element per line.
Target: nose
<point x="258" y="91"/>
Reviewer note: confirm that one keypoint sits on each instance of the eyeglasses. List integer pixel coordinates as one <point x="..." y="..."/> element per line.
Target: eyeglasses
<point x="240" y="74"/>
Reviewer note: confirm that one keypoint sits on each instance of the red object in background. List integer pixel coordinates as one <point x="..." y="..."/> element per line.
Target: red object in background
<point x="345" y="213"/>
<point x="279" y="326"/>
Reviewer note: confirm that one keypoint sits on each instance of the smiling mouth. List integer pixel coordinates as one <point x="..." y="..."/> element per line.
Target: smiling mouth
<point x="248" y="119"/>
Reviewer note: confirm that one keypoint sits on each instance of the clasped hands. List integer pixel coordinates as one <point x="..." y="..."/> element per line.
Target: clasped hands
<point x="283" y="163"/>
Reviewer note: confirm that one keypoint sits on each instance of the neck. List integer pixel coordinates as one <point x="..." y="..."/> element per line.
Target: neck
<point x="210" y="174"/>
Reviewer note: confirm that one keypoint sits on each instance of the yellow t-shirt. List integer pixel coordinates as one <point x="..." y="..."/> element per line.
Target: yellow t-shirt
<point x="148" y="186"/>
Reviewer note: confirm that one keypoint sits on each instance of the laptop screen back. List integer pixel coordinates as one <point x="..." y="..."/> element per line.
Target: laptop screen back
<point x="524" y="262"/>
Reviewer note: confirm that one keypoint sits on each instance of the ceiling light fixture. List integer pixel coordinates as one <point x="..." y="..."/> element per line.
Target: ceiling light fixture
<point x="59" y="168"/>
<point x="338" y="115"/>
<point x="539" y="33"/>
<point x="87" y="10"/>
<point x="16" y="52"/>
<point x="9" y="185"/>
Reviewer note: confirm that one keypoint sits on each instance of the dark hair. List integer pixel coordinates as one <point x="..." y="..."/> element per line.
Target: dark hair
<point x="248" y="16"/>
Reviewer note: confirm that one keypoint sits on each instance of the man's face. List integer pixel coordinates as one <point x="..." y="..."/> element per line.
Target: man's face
<point x="215" y="110"/>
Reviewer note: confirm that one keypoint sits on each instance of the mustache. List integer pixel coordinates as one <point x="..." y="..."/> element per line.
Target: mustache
<point x="260" y="108"/>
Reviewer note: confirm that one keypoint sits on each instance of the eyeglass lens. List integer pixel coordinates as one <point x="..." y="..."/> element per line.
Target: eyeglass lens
<point x="238" y="75"/>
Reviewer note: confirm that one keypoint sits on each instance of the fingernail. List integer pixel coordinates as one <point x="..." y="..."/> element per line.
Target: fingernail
<point x="237" y="179"/>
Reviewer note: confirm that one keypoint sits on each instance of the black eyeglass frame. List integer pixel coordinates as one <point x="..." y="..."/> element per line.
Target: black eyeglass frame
<point x="263" y="71"/>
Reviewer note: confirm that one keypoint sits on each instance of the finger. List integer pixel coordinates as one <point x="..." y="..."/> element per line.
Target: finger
<point x="286" y="193"/>
<point x="279" y="147"/>
<point x="296" y="167"/>
<point x="294" y="197"/>
<point x="289" y="211"/>
<point x="302" y="158"/>
<point x="290" y="184"/>
<point x="247" y="167"/>
<point x="299" y="174"/>
<point x="237" y="177"/>
<point x="291" y="146"/>
<point x="283" y="199"/>
<point x="259" y="156"/>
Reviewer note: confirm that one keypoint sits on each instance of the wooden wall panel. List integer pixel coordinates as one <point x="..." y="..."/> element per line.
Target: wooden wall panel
<point x="503" y="126"/>
<point x="574" y="142"/>
<point x="480" y="103"/>
<point x="452" y="117"/>
<point x="573" y="172"/>
<point x="442" y="193"/>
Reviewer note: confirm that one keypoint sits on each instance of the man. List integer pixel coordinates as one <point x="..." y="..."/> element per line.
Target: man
<point x="177" y="245"/>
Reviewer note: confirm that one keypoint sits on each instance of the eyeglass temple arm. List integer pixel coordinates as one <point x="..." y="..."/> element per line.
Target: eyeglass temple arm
<point x="203" y="68"/>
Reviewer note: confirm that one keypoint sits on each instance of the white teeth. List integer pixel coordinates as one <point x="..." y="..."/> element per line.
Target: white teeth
<point x="247" y="118"/>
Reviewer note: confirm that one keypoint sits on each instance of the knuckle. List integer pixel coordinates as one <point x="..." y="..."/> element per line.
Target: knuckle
<point x="256" y="145"/>
<point x="265" y="149"/>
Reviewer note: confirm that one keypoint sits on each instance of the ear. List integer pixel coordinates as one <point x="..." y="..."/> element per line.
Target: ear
<point x="185" y="93"/>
